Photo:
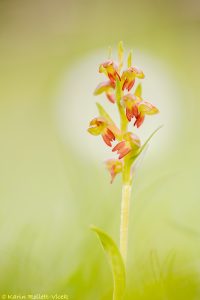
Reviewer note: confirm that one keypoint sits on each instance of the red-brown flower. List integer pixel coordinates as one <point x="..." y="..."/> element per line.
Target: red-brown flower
<point x="114" y="167"/>
<point x="131" y="143"/>
<point x="141" y="109"/>
<point x="137" y="108"/>
<point x="110" y="69"/>
<point x="128" y="77"/>
<point x="106" y="87"/>
<point x="100" y="126"/>
<point x="130" y="102"/>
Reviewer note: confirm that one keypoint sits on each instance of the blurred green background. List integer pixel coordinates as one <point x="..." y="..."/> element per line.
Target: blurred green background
<point x="50" y="192"/>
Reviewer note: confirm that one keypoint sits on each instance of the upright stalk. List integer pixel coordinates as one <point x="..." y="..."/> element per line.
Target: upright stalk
<point x="125" y="204"/>
<point x="127" y="182"/>
<point x="123" y="119"/>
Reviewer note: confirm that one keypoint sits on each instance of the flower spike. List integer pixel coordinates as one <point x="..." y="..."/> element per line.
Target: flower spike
<point x="130" y="105"/>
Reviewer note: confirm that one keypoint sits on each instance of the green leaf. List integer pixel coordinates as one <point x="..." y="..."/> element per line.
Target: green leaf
<point x="115" y="261"/>
<point x="103" y="113"/>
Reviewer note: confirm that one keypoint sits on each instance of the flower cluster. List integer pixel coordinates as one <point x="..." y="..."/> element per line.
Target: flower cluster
<point x="131" y="106"/>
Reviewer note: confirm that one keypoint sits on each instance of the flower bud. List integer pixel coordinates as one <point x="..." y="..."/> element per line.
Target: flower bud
<point x="114" y="167"/>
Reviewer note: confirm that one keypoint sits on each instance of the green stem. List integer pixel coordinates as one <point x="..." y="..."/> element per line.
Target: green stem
<point x="123" y="119"/>
<point x="119" y="95"/>
<point x="127" y="178"/>
<point x="126" y="194"/>
<point x="125" y="204"/>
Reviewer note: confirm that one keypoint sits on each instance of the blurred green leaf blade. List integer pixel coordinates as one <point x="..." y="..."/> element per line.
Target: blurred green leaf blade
<point x="116" y="262"/>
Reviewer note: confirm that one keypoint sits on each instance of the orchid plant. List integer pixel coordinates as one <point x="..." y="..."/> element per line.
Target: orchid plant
<point x="121" y="90"/>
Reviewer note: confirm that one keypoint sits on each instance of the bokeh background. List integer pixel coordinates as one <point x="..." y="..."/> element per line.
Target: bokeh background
<point x="53" y="183"/>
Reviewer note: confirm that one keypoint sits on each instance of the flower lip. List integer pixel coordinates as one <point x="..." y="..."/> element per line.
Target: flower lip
<point x="108" y="137"/>
<point x="128" y="84"/>
<point x="122" y="149"/>
<point x="139" y="120"/>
